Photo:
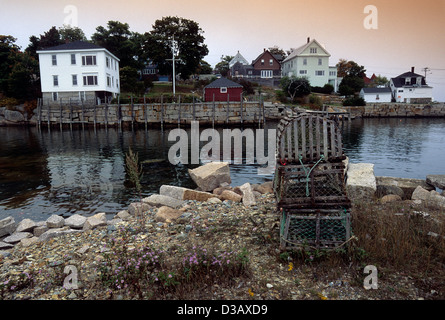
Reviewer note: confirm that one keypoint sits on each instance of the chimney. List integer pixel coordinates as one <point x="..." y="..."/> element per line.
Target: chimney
<point x="308" y="39"/>
<point x="412" y="69"/>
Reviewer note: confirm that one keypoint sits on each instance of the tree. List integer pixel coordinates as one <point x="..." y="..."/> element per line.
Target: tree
<point x="275" y="50"/>
<point x="352" y="74"/>
<point x="222" y="67"/>
<point x="50" y="38"/>
<point x="295" y="86"/>
<point x="119" y="40"/>
<point x="204" y="68"/>
<point x="190" y="41"/>
<point x="71" y="34"/>
<point x="379" y="81"/>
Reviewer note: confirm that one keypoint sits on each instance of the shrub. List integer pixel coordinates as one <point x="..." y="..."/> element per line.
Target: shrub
<point x="354" y="101"/>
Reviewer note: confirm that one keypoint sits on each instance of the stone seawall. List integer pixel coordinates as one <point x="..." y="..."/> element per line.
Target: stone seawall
<point x="376" y="110"/>
<point x="217" y="113"/>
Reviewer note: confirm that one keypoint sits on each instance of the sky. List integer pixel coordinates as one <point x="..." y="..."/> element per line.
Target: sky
<point x="401" y="34"/>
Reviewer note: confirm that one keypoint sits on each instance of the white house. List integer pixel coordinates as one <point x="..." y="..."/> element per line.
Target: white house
<point x="376" y="95"/>
<point x="311" y="61"/>
<point x="410" y="87"/>
<point x="78" y="70"/>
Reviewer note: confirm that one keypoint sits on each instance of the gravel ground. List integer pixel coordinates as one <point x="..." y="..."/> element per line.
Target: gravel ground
<point x="37" y="271"/>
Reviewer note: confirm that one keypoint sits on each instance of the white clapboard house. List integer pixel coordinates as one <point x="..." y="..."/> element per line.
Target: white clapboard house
<point x="78" y="71"/>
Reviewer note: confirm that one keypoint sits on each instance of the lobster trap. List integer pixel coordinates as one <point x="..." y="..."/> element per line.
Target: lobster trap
<point x="310" y="182"/>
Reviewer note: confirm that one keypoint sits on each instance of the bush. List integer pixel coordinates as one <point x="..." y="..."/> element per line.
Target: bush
<point x="354" y="101"/>
<point x="326" y="89"/>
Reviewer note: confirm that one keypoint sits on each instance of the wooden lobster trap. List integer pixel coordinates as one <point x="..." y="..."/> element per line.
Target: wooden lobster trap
<point x="310" y="182"/>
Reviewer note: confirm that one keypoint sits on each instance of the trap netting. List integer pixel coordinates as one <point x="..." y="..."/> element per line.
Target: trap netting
<point x="321" y="230"/>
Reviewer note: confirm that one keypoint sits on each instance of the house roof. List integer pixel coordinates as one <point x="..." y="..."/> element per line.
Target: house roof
<point x="76" y="45"/>
<point x="238" y="58"/>
<point x="377" y="90"/>
<point x="263" y="53"/>
<point x="297" y="52"/>
<point x="223" y="82"/>
<point x="399" y="81"/>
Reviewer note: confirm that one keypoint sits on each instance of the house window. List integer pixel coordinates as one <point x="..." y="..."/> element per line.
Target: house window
<point x="107" y="60"/>
<point x="304" y="62"/>
<point x="55" y="96"/>
<point x="319" y="72"/>
<point x="88" y="60"/>
<point x="55" y="81"/>
<point x="54" y="60"/>
<point x="90" y="80"/>
<point x="320" y="62"/>
<point x="73" y="58"/>
<point x="262" y="62"/>
<point x="303" y="71"/>
<point x="377" y="97"/>
<point x="271" y="62"/>
<point x="74" y="76"/>
<point x="223" y="90"/>
<point x="400" y="91"/>
<point x="313" y="50"/>
<point x="332" y="73"/>
<point x="408" y="81"/>
<point x="108" y="81"/>
<point x="266" y="74"/>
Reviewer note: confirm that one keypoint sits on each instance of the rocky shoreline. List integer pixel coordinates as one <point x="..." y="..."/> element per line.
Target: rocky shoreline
<point x="174" y="216"/>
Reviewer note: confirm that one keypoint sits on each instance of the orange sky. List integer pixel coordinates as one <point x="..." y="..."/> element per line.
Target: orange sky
<point x="410" y="32"/>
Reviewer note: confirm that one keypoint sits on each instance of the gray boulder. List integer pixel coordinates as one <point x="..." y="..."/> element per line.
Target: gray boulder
<point x="13" y="116"/>
<point x="55" y="221"/>
<point x="361" y="182"/>
<point x="406" y="184"/>
<point x="436" y="180"/>
<point x="157" y="200"/>
<point x="248" y="196"/>
<point x="55" y="232"/>
<point x="26" y="225"/>
<point x="7" y="226"/>
<point x="16" y="237"/>
<point x="431" y="198"/>
<point x="76" y="221"/>
<point x="211" y="175"/>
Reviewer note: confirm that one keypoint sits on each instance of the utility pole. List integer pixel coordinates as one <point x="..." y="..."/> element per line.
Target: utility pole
<point x="175" y="52"/>
<point x="426" y="69"/>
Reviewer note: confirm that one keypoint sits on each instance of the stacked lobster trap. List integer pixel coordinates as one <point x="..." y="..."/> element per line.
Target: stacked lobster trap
<point x="309" y="183"/>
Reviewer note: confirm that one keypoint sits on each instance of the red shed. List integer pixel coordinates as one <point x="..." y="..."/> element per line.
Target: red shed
<point x="223" y="89"/>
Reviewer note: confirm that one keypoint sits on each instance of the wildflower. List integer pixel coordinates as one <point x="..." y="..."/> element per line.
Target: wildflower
<point x="321" y="296"/>
<point x="291" y="266"/>
<point x="250" y="292"/>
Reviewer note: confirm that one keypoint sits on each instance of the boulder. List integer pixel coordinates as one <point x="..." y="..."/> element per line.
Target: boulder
<point x="16" y="237"/>
<point x="266" y="187"/>
<point x="55" y="221"/>
<point x="40" y="230"/>
<point x="55" y="232"/>
<point x="13" y="116"/>
<point x="436" y="180"/>
<point x="26" y="242"/>
<point x="248" y="196"/>
<point x="26" y="225"/>
<point x="181" y="193"/>
<point x="431" y="198"/>
<point x="138" y="208"/>
<point x="7" y="226"/>
<point x="361" y="182"/>
<point x="230" y="195"/>
<point x="220" y="189"/>
<point x="166" y="214"/>
<point x="158" y="200"/>
<point x="95" y="221"/>
<point x="390" y="198"/>
<point x="76" y="221"/>
<point x="406" y="184"/>
<point x="384" y="190"/>
<point x="211" y="175"/>
<point x="124" y="215"/>
<point x="4" y="245"/>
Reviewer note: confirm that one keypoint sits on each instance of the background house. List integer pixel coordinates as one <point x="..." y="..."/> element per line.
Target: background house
<point x="78" y="71"/>
<point x="411" y="87"/>
<point x="311" y="60"/>
<point x="376" y="95"/>
<point x="223" y="89"/>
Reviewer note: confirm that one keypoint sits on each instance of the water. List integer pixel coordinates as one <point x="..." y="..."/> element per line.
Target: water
<point x="83" y="171"/>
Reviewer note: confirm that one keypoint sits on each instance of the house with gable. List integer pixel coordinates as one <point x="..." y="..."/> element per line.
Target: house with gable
<point x="223" y="89"/>
<point x="411" y="87"/>
<point x="266" y="68"/>
<point x="311" y="60"/>
<point x="78" y="71"/>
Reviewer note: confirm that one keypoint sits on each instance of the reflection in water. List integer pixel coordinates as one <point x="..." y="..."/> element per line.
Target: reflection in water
<point x="83" y="171"/>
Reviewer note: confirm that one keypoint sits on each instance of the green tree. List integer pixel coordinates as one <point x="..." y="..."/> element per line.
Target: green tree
<point x="222" y="67"/>
<point x="50" y="38"/>
<point x="71" y="34"/>
<point x="379" y="81"/>
<point x="295" y="87"/>
<point x="119" y="40"/>
<point x="352" y="74"/>
<point x="204" y="68"/>
<point x="190" y="41"/>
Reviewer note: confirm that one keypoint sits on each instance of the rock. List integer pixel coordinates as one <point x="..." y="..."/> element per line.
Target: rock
<point x="138" y="208"/>
<point x="55" y="232"/>
<point x="124" y="215"/>
<point x="158" y="200"/>
<point x="76" y="221"/>
<point x="13" y="116"/>
<point x="181" y="193"/>
<point x="95" y="221"/>
<point x="26" y="242"/>
<point x="165" y="213"/>
<point x="214" y="200"/>
<point x="248" y="196"/>
<point x="266" y="187"/>
<point x="7" y="226"/>
<point x="4" y="245"/>
<point x="390" y="198"/>
<point x="431" y="198"/>
<point x="40" y="230"/>
<point x="361" y="182"/>
<point x="211" y="175"/>
<point x="384" y="190"/>
<point x="16" y="237"/>
<point x="436" y="180"/>
<point x="55" y="221"/>
<point x="406" y="184"/>
<point x="230" y="195"/>
<point x="26" y="225"/>
<point x="220" y="189"/>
